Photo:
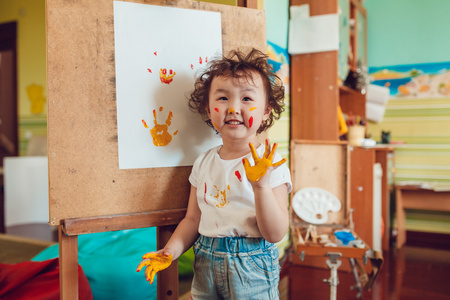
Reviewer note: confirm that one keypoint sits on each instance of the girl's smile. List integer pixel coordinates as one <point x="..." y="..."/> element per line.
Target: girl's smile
<point x="237" y="106"/>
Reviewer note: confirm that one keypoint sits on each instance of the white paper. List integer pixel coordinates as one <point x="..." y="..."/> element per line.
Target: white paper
<point x="149" y="38"/>
<point x="314" y="34"/>
<point x="377" y="94"/>
<point x="375" y="111"/>
<point x="299" y="11"/>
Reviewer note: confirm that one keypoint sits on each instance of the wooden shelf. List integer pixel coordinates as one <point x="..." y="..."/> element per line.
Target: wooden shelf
<point x="345" y="89"/>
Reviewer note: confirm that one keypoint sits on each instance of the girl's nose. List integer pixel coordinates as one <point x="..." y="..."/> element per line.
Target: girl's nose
<point x="232" y="111"/>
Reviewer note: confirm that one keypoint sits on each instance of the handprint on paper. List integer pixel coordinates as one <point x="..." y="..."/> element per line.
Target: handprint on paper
<point x="256" y="172"/>
<point x="166" y="77"/>
<point x="159" y="132"/>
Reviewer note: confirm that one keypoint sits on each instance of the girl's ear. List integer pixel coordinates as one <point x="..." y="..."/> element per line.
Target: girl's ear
<point x="267" y="112"/>
<point x="207" y="110"/>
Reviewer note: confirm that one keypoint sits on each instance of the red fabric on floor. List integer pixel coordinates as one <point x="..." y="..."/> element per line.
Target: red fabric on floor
<point x="37" y="280"/>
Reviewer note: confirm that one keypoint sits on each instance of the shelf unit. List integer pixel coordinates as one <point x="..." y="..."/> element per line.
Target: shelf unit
<point x="316" y="91"/>
<point x="316" y="94"/>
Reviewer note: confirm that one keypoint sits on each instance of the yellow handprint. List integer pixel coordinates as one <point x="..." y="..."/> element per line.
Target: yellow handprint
<point x="154" y="262"/>
<point x="160" y="135"/>
<point x="256" y="172"/>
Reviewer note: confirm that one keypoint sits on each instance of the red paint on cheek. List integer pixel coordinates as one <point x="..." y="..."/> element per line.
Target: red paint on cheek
<point x="216" y="109"/>
<point x="250" y="121"/>
<point x="238" y="175"/>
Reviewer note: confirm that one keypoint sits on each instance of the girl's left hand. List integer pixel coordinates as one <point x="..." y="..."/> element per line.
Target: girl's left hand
<point x="262" y="165"/>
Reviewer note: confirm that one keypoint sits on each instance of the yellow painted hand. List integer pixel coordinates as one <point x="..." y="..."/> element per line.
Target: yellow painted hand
<point x="256" y="172"/>
<point x="154" y="262"/>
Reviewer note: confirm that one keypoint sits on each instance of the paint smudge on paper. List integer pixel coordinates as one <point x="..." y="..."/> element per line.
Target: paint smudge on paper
<point x="149" y="70"/>
<point x="159" y="132"/>
<point x="166" y="77"/>
<point x="156" y="53"/>
<point x="200" y="60"/>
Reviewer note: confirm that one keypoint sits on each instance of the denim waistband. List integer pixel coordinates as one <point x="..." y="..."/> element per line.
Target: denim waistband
<point x="232" y="245"/>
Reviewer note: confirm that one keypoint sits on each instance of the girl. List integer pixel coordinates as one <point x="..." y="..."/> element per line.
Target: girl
<point x="237" y="207"/>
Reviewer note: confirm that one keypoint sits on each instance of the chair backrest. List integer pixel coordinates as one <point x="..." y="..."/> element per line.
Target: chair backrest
<point x="26" y="190"/>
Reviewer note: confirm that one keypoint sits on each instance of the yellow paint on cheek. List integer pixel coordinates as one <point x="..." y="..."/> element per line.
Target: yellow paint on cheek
<point x="215" y="125"/>
<point x="252" y="108"/>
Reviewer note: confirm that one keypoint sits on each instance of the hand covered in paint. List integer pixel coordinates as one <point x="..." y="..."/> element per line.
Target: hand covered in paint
<point x="256" y="172"/>
<point x="154" y="262"/>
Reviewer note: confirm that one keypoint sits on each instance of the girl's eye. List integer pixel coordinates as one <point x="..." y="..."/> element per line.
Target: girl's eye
<point x="246" y="99"/>
<point x="223" y="98"/>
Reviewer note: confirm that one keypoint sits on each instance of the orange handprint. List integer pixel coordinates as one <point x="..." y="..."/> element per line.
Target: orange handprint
<point x="160" y="135"/>
<point x="254" y="173"/>
<point x="154" y="262"/>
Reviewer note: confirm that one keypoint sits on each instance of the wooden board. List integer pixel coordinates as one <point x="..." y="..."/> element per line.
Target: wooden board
<point x="322" y="165"/>
<point x="84" y="177"/>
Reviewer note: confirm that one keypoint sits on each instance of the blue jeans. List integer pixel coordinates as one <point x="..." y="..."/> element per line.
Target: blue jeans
<point x="235" y="268"/>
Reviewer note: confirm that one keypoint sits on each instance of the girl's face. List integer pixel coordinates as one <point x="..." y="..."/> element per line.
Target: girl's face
<point x="238" y="106"/>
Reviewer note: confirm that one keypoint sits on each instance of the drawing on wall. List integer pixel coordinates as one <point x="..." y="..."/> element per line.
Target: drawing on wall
<point x="155" y="70"/>
<point x="36" y="96"/>
<point x="431" y="80"/>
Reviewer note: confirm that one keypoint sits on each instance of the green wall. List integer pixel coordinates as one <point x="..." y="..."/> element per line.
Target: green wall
<point x="277" y="21"/>
<point x="403" y="32"/>
<point x="408" y="31"/>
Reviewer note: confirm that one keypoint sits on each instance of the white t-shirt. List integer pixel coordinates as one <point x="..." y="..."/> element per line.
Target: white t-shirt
<point x="225" y="196"/>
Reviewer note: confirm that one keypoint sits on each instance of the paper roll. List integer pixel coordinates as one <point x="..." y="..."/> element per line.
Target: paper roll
<point x="377" y="94"/>
<point x="375" y="111"/>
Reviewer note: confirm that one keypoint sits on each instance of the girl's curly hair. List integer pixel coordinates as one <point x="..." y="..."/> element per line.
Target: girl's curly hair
<point x="238" y="65"/>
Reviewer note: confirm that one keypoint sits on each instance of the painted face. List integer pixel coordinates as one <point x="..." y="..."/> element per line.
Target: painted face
<point x="237" y="107"/>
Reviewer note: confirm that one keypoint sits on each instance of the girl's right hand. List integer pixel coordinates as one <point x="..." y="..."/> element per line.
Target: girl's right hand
<point x="154" y="262"/>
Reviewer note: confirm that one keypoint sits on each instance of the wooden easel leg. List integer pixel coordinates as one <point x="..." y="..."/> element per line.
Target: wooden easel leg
<point x="68" y="265"/>
<point x="167" y="280"/>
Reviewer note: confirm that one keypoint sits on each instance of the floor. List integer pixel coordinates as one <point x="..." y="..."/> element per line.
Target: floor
<point x="417" y="271"/>
<point x="407" y="274"/>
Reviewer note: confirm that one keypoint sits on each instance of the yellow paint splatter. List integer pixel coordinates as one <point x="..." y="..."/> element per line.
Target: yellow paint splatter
<point x="252" y="108"/>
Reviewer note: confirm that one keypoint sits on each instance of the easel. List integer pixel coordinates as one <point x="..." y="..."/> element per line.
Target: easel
<point x="88" y="193"/>
<point x="167" y="283"/>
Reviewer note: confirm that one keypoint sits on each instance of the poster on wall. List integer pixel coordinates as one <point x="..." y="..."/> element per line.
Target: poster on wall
<point x="278" y="58"/>
<point x="158" y="52"/>
<point x="431" y="80"/>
